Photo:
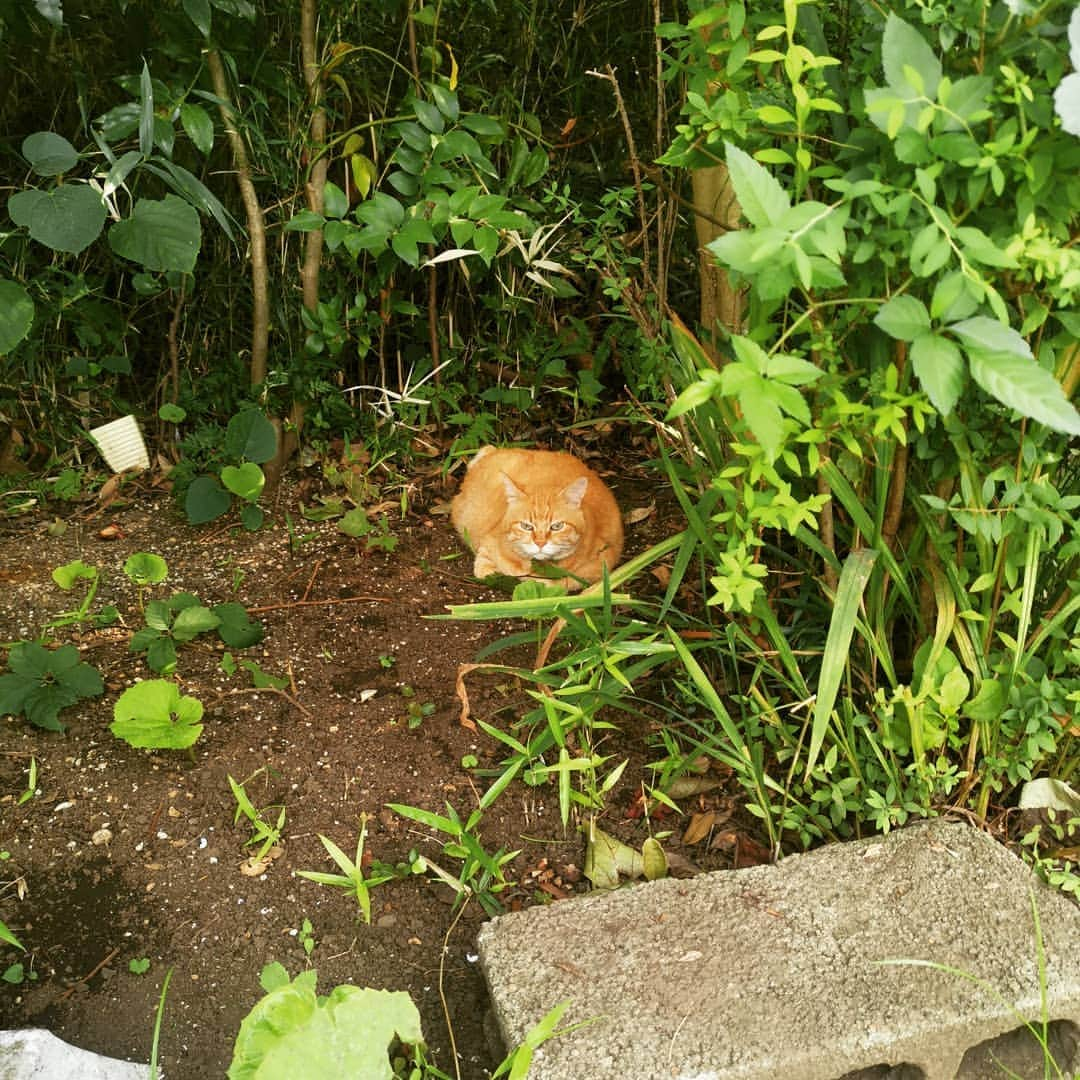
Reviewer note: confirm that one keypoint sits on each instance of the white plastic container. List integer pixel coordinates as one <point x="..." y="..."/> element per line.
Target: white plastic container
<point x="121" y="444"/>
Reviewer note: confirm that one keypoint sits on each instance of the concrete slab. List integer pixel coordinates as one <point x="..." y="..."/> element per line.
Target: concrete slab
<point x="774" y="973"/>
<point x="34" y="1054"/>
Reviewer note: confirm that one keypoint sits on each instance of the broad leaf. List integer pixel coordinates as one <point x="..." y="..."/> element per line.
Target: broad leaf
<point x="236" y="628"/>
<point x="198" y="125"/>
<point x="69" y="218"/>
<point x="292" y="1032"/>
<point x="908" y="60"/>
<point x="903" y="317"/>
<point x="146" y="568"/>
<point x="153" y="715"/>
<point x="49" y="154"/>
<point x="939" y="367"/>
<point x="160" y="235"/>
<point x="245" y="481"/>
<point x="16" y="315"/>
<point x="206" y="500"/>
<point x="193" y="621"/>
<point x="250" y="437"/>
<point x="762" y="199"/>
<point x="989" y="335"/>
<point x="40" y="682"/>
<point x="1021" y="384"/>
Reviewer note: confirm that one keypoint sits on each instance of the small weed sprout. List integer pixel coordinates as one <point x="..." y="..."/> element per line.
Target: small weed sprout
<point x="352" y="871"/>
<point x="263" y="833"/>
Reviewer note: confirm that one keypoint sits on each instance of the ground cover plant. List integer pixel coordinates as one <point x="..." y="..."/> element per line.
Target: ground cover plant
<point x="803" y="289"/>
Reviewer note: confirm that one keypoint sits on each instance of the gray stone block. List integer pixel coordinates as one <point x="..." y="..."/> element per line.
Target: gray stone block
<point x="776" y="972"/>
<point x="34" y="1054"/>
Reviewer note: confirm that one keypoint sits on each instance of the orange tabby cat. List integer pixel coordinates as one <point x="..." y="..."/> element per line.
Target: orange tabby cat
<point x="520" y="506"/>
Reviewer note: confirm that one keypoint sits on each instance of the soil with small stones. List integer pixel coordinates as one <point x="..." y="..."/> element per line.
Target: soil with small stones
<point x="124" y="855"/>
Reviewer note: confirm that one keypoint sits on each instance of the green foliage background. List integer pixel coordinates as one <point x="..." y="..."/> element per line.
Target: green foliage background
<point x="825" y="251"/>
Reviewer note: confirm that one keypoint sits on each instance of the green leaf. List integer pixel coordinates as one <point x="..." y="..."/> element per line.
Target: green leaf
<point x="162" y="235"/>
<point x="205" y="500"/>
<point x="49" y="154"/>
<point x="39" y="683"/>
<point x="196" y="121"/>
<point x="903" y="47"/>
<point x="236" y="628"/>
<point x="245" y="481"/>
<point x="430" y="116"/>
<point x="69" y="218"/>
<point x="763" y="201"/>
<point x="193" y="621"/>
<point x="153" y="715"/>
<point x="849" y="592"/>
<point x="1021" y="384"/>
<point x="335" y="201"/>
<point x="16" y="315"/>
<point x="903" y="317"/>
<point x="146" y="568"/>
<point x="939" y="367"/>
<point x="251" y="437"/>
<point x="292" y="1032"/>
<point x="763" y="417"/>
<point x="65" y="576"/>
<point x="989" y="335"/>
<point x="252" y="517"/>
<point x="446" y="100"/>
<point x="198" y="11"/>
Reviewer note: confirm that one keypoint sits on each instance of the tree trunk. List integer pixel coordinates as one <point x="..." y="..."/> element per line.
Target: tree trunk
<point x="721" y="305"/>
<point x="256" y="223"/>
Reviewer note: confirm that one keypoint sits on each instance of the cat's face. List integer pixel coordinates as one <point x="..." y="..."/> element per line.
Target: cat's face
<point x="546" y="528"/>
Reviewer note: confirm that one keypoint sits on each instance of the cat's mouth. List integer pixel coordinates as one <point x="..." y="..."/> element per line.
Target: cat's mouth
<point x="547" y="552"/>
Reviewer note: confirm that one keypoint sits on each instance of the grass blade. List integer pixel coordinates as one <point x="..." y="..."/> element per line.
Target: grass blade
<point x="853" y="579"/>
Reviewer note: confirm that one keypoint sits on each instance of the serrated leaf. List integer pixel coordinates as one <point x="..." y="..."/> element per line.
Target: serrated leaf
<point x="939" y="367"/>
<point x="903" y="317"/>
<point x="902" y="46"/>
<point x="763" y="201"/>
<point x="1021" y="384"/>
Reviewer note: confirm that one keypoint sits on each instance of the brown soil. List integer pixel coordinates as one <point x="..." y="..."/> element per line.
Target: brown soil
<point x="348" y="628"/>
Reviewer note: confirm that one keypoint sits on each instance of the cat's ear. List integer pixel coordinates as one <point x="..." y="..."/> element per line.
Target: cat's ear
<point x="511" y="489"/>
<point x="573" y="493"/>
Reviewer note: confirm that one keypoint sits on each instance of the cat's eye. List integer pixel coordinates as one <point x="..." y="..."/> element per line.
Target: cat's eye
<point x="526" y="526"/>
<point x="557" y="525"/>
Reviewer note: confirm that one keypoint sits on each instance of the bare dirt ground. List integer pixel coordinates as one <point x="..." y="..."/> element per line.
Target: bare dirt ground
<point x="127" y="855"/>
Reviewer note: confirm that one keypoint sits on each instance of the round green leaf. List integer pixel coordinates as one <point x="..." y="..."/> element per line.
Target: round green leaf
<point x="153" y="715"/>
<point x="160" y="235"/>
<point x="245" y="481"/>
<point x="69" y="218"/>
<point x="49" y="154"/>
<point x="172" y="414"/>
<point x="251" y="437"/>
<point x="16" y="315"/>
<point x="145" y="568"/>
<point x="206" y="500"/>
